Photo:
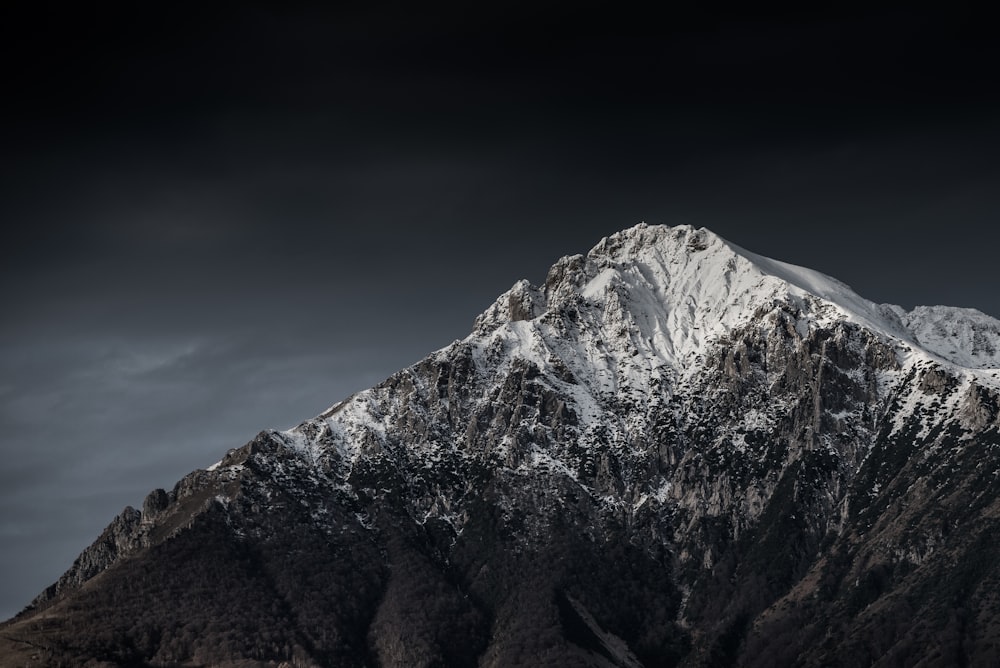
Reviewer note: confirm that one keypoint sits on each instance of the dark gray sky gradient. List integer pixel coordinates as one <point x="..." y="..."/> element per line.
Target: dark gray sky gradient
<point x="222" y="220"/>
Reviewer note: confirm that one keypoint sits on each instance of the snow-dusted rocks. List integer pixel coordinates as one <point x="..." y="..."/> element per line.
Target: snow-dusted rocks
<point x="672" y="452"/>
<point x="963" y="336"/>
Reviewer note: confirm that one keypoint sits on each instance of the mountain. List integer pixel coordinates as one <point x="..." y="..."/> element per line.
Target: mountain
<point x="674" y="452"/>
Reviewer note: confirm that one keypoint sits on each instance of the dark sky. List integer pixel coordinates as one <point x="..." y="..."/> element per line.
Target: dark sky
<point x="221" y="220"/>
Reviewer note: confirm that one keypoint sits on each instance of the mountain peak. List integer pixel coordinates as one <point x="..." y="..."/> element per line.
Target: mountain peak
<point x="676" y="285"/>
<point x="626" y="243"/>
<point x="575" y="275"/>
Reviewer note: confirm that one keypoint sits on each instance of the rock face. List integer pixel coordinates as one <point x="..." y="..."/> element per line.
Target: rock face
<point x="672" y="453"/>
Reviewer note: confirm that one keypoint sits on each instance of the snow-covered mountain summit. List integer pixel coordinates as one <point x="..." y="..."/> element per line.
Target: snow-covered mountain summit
<point x="671" y="290"/>
<point x="679" y="287"/>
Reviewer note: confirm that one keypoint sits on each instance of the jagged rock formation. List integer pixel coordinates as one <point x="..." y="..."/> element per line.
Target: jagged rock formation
<point x="672" y="453"/>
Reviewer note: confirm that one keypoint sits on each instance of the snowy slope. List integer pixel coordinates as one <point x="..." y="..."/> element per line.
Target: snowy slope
<point x="964" y="336"/>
